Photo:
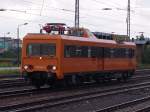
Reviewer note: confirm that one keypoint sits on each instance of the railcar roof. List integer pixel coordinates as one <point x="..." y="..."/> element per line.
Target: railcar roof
<point x="65" y="37"/>
<point x="96" y="40"/>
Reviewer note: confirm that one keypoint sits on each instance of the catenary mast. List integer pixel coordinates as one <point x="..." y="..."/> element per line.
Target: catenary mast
<point x="128" y="18"/>
<point x="77" y="14"/>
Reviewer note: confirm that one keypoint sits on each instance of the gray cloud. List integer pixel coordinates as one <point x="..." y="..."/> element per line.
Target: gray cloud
<point x="91" y="15"/>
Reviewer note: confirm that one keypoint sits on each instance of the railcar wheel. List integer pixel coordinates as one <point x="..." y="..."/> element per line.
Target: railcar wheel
<point x="38" y="79"/>
<point x="78" y="80"/>
<point x="51" y="81"/>
<point x="37" y="83"/>
<point x="124" y="77"/>
<point x="119" y="79"/>
<point x="73" y="80"/>
<point x="70" y="80"/>
<point x="59" y="83"/>
<point x="97" y="79"/>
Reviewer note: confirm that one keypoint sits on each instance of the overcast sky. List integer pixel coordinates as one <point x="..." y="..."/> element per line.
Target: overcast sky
<point x="36" y="12"/>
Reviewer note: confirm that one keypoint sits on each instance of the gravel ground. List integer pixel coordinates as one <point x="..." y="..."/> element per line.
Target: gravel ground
<point x="15" y="88"/>
<point x="102" y="85"/>
<point x="84" y="106"/>
<point x="51" y="94"/>
<point x="135" y="107"/>
<point x="99" y="103"/>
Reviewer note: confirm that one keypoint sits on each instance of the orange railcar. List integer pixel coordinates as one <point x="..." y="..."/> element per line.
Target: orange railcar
<point x="49" y="58"/>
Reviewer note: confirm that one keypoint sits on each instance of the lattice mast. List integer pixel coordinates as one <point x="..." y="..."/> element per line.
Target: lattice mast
<point x="77" y="16"/>
<point x="128" y="18"/>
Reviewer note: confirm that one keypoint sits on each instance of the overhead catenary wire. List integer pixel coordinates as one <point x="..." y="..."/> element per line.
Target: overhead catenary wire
<point x="42" y="7"/>
<point x="83" y="11"/>
<point x="62" y="9"/>
<point x="66" y="10"/>
<point x="94" y="17"/>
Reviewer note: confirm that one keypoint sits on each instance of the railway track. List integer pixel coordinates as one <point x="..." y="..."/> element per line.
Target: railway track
<point x="127" y="104"/>
<point x="18" y="75"/>
<point x="48" y="102"/>
<point x="16" y="82"/>
<point x="7" y="80"/>
<point x="9" y="76"/>
<point x="140" y="77"/>
<point x="142" y="72"/>
<point x="17" y="79"/>
<point x="12" y="83"/>
<point x="51" y="102"/>
<point x="9" y="94"/>
<point x="145" y="109"/>
<point x="30" y="90"/>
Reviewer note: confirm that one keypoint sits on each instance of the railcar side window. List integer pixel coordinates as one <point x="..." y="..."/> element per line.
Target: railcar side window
<point x="107" y="53"/>
<point x="127" y="53"/>
<point x="70" y="51"/>
<point x="94" y="52"/>
<point x="112" y="52"/>
<point x="131" y="53"/>
<point x="84" y="51"/>
<point x="115" y="53"/>
<point x="38" y="49"/>
<point x="97" y="52"/>
<point x="76" y="51"/>
<point x="100" y="52"/>
<point x="120" y="52"/>
<point x="123" y="52"/>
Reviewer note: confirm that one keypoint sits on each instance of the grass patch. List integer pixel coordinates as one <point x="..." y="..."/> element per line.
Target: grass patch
<point x="3" y="72"/>
<point x="7" y="65"/>
<point x="8" y="62"/>
<point x="143" y="66"/>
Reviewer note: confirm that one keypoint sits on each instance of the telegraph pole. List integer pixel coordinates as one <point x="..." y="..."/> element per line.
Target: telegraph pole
<point x="77" y="14"/>
<point x="128" y="19"/>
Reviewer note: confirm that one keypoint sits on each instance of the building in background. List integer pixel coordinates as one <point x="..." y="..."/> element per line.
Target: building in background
<point x="15" y="43"/>
<point x="7" y="43"/>
<point x="111" y="36"/>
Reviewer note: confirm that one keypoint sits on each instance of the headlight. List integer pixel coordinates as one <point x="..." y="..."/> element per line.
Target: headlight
<point x="25" y="67"/>
<point x="51" y="67"/>
<point x="28" y="67"/>
<point x="54" y="67"/>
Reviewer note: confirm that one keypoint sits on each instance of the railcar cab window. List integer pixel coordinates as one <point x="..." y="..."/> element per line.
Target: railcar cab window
<point x="41" y="49"/>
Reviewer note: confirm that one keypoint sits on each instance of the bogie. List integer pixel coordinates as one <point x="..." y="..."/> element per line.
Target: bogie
<point x="39" y="79"/>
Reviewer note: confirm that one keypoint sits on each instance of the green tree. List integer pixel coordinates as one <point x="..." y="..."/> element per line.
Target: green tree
<point x="146" y="55"/>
